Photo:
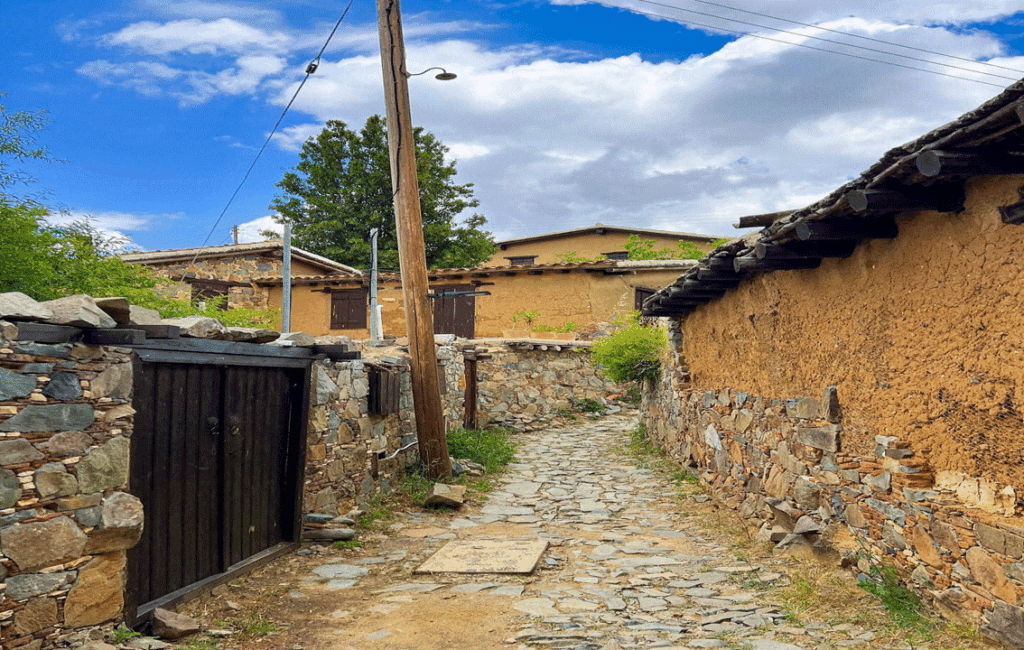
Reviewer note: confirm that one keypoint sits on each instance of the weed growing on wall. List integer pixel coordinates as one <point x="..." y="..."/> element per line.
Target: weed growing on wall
<point x="632" y="353"/>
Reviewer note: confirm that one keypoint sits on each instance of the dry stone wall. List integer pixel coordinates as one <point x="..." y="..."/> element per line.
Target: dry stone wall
<point x="66" y="518"/>
<point x="783" y="464"/>
<point x="240" y="269"/>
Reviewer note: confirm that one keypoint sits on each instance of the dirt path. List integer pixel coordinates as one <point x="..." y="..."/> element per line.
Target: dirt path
<point x="629" y="565"/>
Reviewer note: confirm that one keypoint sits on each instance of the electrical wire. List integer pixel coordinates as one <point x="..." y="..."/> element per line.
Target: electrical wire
<point x="310" y="69"/>
<point x="852" y="35"/>
<point x="809" y="47"/>
<point x="826" y="40"/>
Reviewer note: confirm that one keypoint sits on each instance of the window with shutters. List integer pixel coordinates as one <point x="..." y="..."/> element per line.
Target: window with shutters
<point x="348" y="309"/>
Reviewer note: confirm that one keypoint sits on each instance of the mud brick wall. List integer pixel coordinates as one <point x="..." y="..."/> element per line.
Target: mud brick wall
<point x="65" y="517"/>
<point x="958" y="541"/>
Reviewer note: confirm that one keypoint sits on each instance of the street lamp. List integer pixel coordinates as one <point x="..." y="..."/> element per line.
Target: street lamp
<point x="444" y="75"/>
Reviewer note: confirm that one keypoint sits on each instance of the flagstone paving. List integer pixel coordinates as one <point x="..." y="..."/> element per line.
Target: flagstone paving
<point x="626" y="568"/>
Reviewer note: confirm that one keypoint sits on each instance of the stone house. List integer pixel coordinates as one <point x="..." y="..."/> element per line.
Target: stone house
<point x="199" y="273"/>
<point x="589" y="295"/>
<point x="854" y="370"/>
<point x="592" y="242"/>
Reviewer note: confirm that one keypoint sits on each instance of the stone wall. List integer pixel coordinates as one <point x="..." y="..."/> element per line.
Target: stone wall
<point x="353" y="454"/>
<point x="240" y="269"/>
<point x="782" y="463"/>
<point x="525" y="384"/>
<point x="65" y="518"/>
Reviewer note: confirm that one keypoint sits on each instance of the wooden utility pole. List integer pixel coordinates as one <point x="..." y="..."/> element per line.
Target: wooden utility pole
<point x="412" y="257"/>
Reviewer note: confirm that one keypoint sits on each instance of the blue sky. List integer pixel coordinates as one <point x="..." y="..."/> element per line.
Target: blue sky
<point x="564" y="113"/>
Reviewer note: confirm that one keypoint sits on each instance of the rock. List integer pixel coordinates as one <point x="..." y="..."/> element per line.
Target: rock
<point x="51" y="417"/>
<point x="116" y="308"/>
<point x="42" y="544"/>
<point x="326" y="389"/>
<point x="149" y="643"/>
<point x="35" y="615"/>
<point x="250" y="334"/>
<point x="334" y="571"/>
<point x="98" y="594"/>
<point x="330" y="534"/>
<point x="69" y="443"/>
<point x="806" y="524"/>
<point x="990" y="575"/>
<point x="79" y="310"/>
<point x="925" y="547"/>
<point x="52" y="480"/>
<point x="63" y="386"/>
<point x="17" y="452"/>
<point x="15" y="306"/>
<point x="120" y="525"/>
<point x="296" y="339"/>
<point x="14" y="385"/>
<point x="96" y="645"/>
<point x="117" y="413"/>
<point x="10" y="489"/>
<point x="8" y="331"/>
<point x="824" y="438"/>
<point x="104" y="467"/>
<point x="446" y="496"/>
<point x="805" y="493"/>
<point x="785" y="514"/>
<point x="803" y="408"/>
<point x="114" y="382"/>
<point x="29" y="585"/>
<point x="198" y="327"/>
<point x="712" y="438"/>
<point x="1005" y="624"/>
<point x="170" y="625"/>
<point x="143" y="316"/>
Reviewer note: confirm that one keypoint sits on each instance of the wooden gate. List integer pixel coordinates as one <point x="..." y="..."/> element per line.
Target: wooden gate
<point x="454" y="314"/>
<point x="217" y="459"/>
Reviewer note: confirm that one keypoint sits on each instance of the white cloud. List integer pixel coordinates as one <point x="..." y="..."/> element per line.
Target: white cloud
<point x="196" y="36"/>
<point x="250" y="231"/>
<point x="115" y="226"/>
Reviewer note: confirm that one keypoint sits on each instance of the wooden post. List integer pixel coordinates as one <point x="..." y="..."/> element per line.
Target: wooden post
<point x="419" y="319"/>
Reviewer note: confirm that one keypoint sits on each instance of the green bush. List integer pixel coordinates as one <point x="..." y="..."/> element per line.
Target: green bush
<point x="632" y="353"/>
<point x="492" y="448"/>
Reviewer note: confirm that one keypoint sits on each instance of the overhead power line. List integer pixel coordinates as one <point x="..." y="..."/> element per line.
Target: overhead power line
<point x="860" y="36"/>
<point x="826" y="40"/>
<point x="310" y="69"/>
<point x="805" y="46"/>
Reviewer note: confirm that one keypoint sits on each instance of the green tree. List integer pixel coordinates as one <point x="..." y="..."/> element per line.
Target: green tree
<point x="17" y="142"/>
<point x="341" y="189"/>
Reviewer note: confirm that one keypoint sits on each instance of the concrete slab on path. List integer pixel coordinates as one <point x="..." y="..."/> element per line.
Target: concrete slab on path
<point x="485" y="556"/>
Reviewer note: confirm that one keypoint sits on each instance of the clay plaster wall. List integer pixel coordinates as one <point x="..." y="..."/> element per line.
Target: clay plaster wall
<point x="922" y="335"/>
<point x="590" y="245"/>
<point x="66" y="518"/>
<point x="587" y="299"/>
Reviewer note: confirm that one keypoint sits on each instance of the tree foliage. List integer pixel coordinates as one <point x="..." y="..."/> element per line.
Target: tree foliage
<point x="341" y="189"/>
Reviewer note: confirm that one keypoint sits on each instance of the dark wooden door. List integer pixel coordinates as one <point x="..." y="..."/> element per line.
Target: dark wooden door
<point x="216" y="462"/>
<point x="454" y="314"/>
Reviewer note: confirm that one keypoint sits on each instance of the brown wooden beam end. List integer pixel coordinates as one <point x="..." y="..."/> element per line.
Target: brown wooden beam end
<point x="847" y="230"/>
<point x="750" y="264"/>
<point x="963" y="163"/>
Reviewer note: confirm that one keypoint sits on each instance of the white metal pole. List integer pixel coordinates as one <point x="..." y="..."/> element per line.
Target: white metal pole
<point x="286" y="281"/>
<point x="376" y="331"/>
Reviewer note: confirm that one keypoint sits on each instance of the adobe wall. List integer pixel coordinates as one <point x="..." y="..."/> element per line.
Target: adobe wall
<point x="588" y="245"/>
<point x="921" y="337"/>
<point x="588" y="299"/>
<point x="66" y="519"/>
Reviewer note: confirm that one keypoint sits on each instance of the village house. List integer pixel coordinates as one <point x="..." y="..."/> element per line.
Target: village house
<point x="854" y="370"/>
<point x="596" y="242"/>
<point x="202" y="273"/>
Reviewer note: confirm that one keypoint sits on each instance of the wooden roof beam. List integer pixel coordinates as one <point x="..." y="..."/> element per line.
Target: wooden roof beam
<point x="964" y="163"/>
<point x="750" y="264"/>
<point x="947" y="199"/>
<point x="846" y="230"/>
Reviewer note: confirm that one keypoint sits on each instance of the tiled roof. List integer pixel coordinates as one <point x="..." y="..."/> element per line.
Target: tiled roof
<point x="229" y="250"/>
<point x="925" y="174"/>
<point x="600" y="228"/>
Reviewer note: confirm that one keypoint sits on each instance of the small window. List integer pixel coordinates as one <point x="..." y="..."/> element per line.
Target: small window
<point x="640" y="294"/>
<point x="348" y="309"/>
<point x="617" y="255"/>
<point x="521" y="260"/>
<point x="204" y="292"/>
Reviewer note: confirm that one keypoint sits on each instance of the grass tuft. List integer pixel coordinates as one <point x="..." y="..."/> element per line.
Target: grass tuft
<point x="492" y="447"/>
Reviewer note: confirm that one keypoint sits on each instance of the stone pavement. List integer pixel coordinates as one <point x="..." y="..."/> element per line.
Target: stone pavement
<point x="626" y="566"/>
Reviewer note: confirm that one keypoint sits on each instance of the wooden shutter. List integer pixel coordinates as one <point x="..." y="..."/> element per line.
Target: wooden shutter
<point x="348" y="309"/>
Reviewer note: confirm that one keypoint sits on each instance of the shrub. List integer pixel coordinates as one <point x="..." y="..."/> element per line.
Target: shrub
<point x="490" y="447"/>
<point x="632" y="353"/>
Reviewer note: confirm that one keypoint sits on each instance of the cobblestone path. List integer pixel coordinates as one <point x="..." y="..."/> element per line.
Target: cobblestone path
<point x="628" y="566"/>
